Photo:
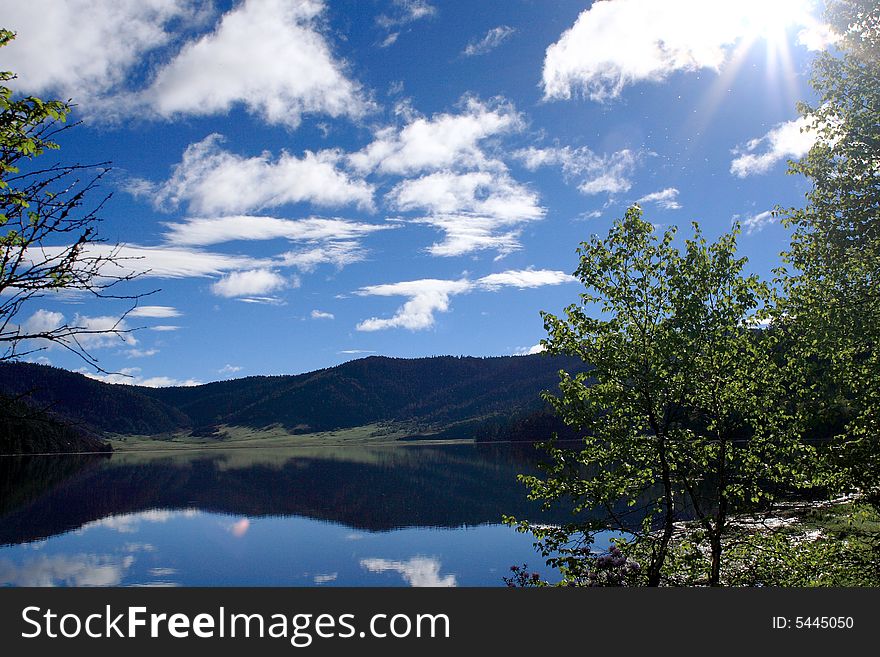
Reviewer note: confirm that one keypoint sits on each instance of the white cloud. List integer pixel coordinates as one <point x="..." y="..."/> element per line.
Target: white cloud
<point x="492" y="39"/>
<point x="268" y="55"/>
<point x="428" y="296"/>
<point x="211" y="180"/>
<point x="141" y="353"/>
<point x="155" y="311"/>
<point x="338" y="254"/>
<point x="665" y="198"/>
<point x="441" y="142"/>
<point x="162" y="262"/>
<point x="614" y="44"/>
<point x="42" y="321"/>
<point x="523" y="278"/>
<point x="785" y="140"/>
<point x="165" y="328"/>
<point x="756" y="223"/>
<point x="207" y="231"/>
<point x="132" y="376"/>
<point x="229" y="369"/>
<point x="407" y="11"/>
<point x="90" y="332"/>
<point x="417" y="572"/>
<point x="529" y="351"/>
<point x="817" y="36"/>
<point x="320" y="314"/>
<point x="102" y="331"/>
<point x="476" y="210"/>
<point x="350" y="352"/>
<point x="250" y="283"/>
<point x="596" y="174"/>
<point x="389" y="40"/>
<point x="264" y="301"/>
<point x="83" y="49"/>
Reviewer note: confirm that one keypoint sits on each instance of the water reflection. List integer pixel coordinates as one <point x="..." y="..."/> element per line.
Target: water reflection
<point x="65" y="570"/>
<point x="418" y="571"/>
<point x="306" y="517"/>
<point x="373" y="489"/>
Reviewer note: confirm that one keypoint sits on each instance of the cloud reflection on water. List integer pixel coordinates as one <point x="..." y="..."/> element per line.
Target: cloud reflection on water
<point x="417" y="572"/>
<point x="65" y="570"/>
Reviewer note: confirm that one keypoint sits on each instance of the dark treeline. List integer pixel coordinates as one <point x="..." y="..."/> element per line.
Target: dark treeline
<point x="454" y="395"/>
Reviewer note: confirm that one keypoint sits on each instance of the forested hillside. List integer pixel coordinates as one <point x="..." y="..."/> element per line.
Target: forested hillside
<point x="425" y="392"/>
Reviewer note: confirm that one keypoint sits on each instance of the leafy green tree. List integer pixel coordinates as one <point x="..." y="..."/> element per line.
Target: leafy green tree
<point x="830" y="305"/>
<point x="678" y="410"/>
<point x="47" y="238"/>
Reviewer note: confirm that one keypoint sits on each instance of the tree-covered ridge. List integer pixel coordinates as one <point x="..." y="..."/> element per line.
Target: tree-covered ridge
<point x="427" y="392"/>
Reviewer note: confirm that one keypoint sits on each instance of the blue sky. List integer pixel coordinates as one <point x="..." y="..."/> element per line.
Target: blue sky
<point x="311" y="181"/>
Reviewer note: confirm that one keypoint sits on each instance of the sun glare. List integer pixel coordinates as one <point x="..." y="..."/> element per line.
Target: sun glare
<point x="773" y="26"/>
<point x="770" y="20"/>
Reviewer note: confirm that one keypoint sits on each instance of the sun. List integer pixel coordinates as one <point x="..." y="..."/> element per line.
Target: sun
<point x="771" y="26"/>
<point x="771" y="20"/>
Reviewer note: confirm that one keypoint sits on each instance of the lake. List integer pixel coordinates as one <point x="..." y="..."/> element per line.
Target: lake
<point x="402" y="515"/>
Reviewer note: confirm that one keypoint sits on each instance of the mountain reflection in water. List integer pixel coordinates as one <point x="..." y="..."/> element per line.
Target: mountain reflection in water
<point x="398" y="515"/>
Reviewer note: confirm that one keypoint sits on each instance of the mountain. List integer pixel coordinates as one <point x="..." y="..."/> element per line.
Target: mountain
<point x="441" y="393"/>
<point x="98" y="406"/>
<point x="28" y="429"/>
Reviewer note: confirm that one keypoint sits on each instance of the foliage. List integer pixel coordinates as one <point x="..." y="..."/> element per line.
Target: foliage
<point x="25" y="429"/>
<point x="522" y="578"/>
<point x="673" y="411"/>
<point x="47" y="239"/>
<point x="835" y="547"/>
<point x="830" y="306"/>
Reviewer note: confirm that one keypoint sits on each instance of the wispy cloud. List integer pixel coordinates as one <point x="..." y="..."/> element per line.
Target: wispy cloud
<point x="162" y="261"/>
<point x="320" y="314"/>
<point x="141" y="353"/>
<point x="595" y="174"/>
<point x="228" y="369"/>
<point x="665" y="198"/>
<point x="155" y="311"/>
<point x="783" y="141"/>
<point x="756" y="223"/>
<point x="133" y="376"/>
<point x="406" y="11"/>
<point x="338" y="254"/>
<point x="491" y="40"/>
<point x="430" y="296"/>
<point x="217" y="230"/>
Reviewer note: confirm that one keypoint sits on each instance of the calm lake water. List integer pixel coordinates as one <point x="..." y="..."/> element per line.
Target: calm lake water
<point x="413" y="515"/>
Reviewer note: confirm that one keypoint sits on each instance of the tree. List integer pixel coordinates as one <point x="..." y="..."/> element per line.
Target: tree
<point x="45" y="232"/>
<point x="674" y="408"/>
<point x="830" y="305"/>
